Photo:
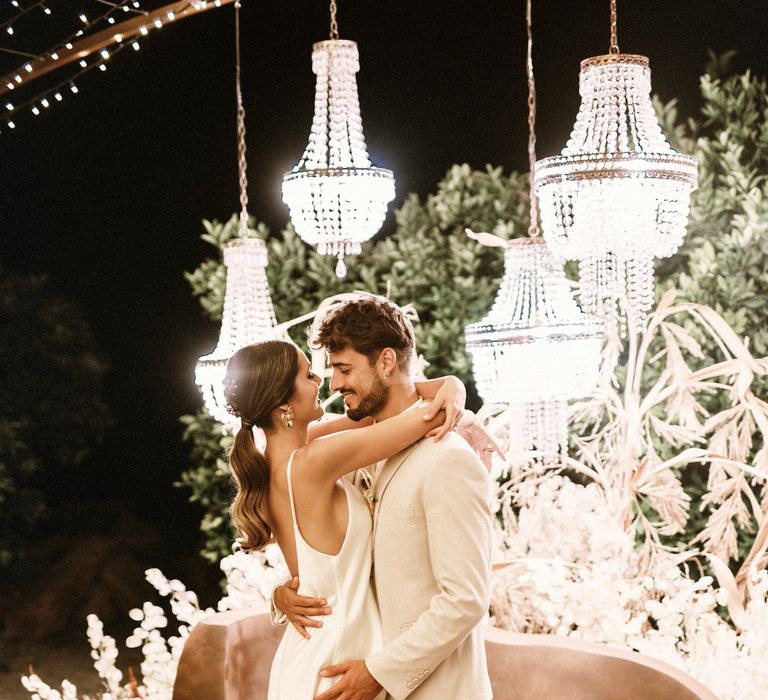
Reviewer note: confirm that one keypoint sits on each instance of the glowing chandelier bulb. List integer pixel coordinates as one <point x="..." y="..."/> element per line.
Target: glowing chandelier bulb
<point x="618" y="194"/>
<point x="336" y="198"/>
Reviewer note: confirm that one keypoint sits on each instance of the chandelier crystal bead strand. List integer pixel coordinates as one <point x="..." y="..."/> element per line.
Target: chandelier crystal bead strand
<point x="248" y="315"/>
<point x="336" y="198"/>
<point x="618" y="194"/>
<point x="535" y="349"/>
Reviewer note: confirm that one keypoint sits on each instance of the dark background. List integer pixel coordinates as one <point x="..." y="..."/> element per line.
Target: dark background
<point x="105" y="191"/>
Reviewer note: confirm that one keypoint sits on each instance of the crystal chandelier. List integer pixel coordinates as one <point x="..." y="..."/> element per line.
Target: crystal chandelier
<point x="248" y="315"/>
<point x="535" y="349"/>
<point x="336" y="198"/>
<point x="618" y="194"/>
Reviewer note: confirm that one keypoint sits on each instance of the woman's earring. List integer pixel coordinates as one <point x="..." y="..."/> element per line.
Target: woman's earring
<point x="287" y="417"/>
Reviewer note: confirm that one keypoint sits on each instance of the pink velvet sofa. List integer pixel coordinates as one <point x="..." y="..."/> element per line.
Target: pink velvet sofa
<point x="228" y="655"/>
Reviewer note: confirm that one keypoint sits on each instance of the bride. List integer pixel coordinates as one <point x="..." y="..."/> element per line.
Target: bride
<point x="294" y="493"/>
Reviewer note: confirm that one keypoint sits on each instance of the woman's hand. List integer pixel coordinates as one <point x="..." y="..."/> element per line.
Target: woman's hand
<point x="474" y="432"/>
<point x="451" y="398"/>
<point x="298" y="608"/>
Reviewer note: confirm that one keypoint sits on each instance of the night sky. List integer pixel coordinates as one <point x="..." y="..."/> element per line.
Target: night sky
<point x="105" y="191"/>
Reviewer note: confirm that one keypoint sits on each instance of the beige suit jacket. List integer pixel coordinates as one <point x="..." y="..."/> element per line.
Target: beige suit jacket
<point x="432" y="569"/>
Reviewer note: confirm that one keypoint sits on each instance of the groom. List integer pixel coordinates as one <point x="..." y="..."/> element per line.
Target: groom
<point x="432" y="525"/>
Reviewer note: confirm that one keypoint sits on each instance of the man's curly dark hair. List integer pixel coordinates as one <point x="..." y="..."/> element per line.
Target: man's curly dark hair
<point x="367" y="325"/>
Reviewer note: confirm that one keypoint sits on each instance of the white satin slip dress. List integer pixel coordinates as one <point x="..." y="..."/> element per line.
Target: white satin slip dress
<point x="353" y="630"/>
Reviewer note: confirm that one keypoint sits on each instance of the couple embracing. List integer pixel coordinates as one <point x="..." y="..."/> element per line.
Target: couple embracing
<point x="383" y="515"/>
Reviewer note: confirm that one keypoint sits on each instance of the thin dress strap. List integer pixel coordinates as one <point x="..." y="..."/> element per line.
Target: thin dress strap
<point x="290" y="492"/>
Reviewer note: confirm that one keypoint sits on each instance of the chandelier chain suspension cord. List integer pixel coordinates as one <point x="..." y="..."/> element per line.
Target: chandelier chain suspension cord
<point x="241" y="162"/>
<point x="533" y="228"/>
<point x="614" y="31"/>
<point x="334" y="23"/>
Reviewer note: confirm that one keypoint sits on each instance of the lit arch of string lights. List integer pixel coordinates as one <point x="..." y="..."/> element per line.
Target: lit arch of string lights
<point x="102" y="33"/>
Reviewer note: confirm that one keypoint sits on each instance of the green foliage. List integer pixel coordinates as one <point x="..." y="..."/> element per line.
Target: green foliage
<point x="210" y="481"/>
<point x="51" y="411"/>
<point x="724" y="260"/>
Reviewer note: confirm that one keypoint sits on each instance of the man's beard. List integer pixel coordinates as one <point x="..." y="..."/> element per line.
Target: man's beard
<point x="373" y="402"/>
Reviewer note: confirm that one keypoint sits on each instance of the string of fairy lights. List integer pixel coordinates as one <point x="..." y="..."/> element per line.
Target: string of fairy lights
<point x="92" y="21"/>
<point x="8" y="26"/>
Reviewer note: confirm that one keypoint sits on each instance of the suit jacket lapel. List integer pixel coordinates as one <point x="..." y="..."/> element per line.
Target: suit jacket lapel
<point x="388" y="471"/>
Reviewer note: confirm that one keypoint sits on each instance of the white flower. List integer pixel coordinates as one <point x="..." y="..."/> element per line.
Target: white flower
<point x="133" y="642"/>
<point x="69" y="691"/>
<point x="251" y="578"/>
<point x="156" y="578"/>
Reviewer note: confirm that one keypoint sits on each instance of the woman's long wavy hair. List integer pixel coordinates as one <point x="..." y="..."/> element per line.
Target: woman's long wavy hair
<point x="259" y="378"/>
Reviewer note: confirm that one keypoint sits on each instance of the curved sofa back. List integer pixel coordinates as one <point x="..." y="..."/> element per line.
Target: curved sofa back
<point x="228" y="657"/>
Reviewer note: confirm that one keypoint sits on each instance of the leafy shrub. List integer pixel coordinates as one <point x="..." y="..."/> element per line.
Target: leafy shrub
<point x="51" y="410"/>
